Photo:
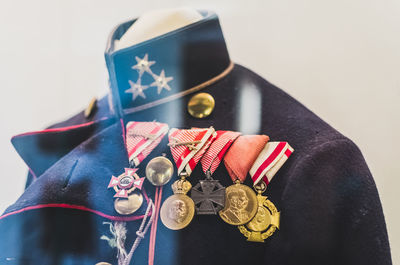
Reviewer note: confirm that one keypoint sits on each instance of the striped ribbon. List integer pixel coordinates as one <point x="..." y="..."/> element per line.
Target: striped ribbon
<point x="269" y="161"/>
<point x="142" y="138"/>
<point x="215" y="153"/>
<point x="188" y="146"/>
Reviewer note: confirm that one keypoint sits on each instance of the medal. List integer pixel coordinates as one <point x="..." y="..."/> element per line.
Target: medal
<point x="126" y="183"/>
<point x="209" y="195"/>
<point x="178" y="210"/>
<point x="129" y="206"/>
<point x="265" y="222"/>
<point x="141" y="139"/>
<point x="267" y="218"/>
<point x="240" y="200"/>
<point x="187" y="148"/>
<point x="159" y="171"/>
<point x="123" y="185"/>
<point x="240" y="205"/>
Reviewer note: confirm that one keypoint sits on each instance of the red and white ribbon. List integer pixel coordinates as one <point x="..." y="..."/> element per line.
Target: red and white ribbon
<point x="142" y="138"/>
<point x="269" y="161"/>
<point x="215" y="153"/>
<point x="188" y="146"/>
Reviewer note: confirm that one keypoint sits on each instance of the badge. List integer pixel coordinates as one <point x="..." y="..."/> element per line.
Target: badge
<point x="264" y="223"/>
<point x="187" y="148"/>
<point x="240" y="200"/>
<point x="208" y="195"/>
<point x="128" y="205"/>
<point x="159" y="171"/>
<point x="141" y="139"/>
<point x="126" y="183"/>
<point x="123" y="185"/>
<point x="240" y="204"/>
<point x="267" y="218"/>
<point x="178" y="210"/>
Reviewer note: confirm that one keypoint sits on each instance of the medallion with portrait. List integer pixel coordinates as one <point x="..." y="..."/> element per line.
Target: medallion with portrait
<point x="177" y="211"/>
<point x="240" y="205"/>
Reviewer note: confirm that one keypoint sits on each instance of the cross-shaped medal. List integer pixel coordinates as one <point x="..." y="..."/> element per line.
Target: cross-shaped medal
<point x="211" y="198"/>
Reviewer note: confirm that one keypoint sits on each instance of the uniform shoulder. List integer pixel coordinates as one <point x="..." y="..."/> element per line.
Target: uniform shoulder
<point x="283" y="117"/>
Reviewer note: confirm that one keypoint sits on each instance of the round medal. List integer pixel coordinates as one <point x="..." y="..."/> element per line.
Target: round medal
<point x="240" y="204"/>
<point x="264" y="223"/>
<point x="177" y="211"/>
<point x="159" y="171"/>
<point x="129" y="205"/>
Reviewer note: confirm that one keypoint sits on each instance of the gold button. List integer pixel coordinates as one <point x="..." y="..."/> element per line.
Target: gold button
<point x="159" y="171"/>
<point x="129" y="205"/>
<point x="201" y="105"/>
<point x="90" y="108"/>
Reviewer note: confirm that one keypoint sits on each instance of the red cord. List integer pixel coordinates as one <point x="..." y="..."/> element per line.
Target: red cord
<point x="153" y="231"/>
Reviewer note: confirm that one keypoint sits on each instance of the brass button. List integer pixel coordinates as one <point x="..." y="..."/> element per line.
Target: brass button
<point x="91" y="108"/>
<point x="159" y="170"/>
<point x="129" y="205"/>
<point x="201" y="105"/>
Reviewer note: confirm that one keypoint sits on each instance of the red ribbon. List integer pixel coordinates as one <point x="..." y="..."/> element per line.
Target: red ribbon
<point x="242" y="154"/>
<point x="188" y="146"/>
<point x="215" y="153"/>
<point x="142" y="138"/>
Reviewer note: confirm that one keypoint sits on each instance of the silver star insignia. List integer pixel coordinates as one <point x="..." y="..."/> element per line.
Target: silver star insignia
<point x="161" y="82"/>
<point x="136" y="89"/>
<point x="143" y="65"/>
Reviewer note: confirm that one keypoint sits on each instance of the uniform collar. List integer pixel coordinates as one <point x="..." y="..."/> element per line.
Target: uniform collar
<point x="177" y="61"/>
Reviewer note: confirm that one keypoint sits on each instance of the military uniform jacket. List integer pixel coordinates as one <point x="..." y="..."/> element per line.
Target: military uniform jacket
<point x="330" y="208"/>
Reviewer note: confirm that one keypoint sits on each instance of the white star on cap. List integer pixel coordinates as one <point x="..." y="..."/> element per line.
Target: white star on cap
<point x="136" y="89"/>
<point x="143" y="65"/>
<point x="161" y="82"/>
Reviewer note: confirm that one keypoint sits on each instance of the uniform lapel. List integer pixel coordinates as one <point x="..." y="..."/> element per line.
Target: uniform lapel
<point x="79" y="177"/>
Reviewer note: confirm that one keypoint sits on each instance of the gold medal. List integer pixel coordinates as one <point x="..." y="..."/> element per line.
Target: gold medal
<point x="178" y="210"/>
<point x="159" y="171"/>
<point x="240" y="204"/>
<point x="265" y="222"/>
<point x="187" y="148"/>
<point x="129" y="205"/>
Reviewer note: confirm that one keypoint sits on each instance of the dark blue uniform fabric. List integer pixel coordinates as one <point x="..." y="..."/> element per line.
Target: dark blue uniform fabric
<point x="330" y="208"/>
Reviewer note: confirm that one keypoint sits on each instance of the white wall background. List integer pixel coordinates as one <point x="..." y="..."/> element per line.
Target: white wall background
<point x="340" y="58"/>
